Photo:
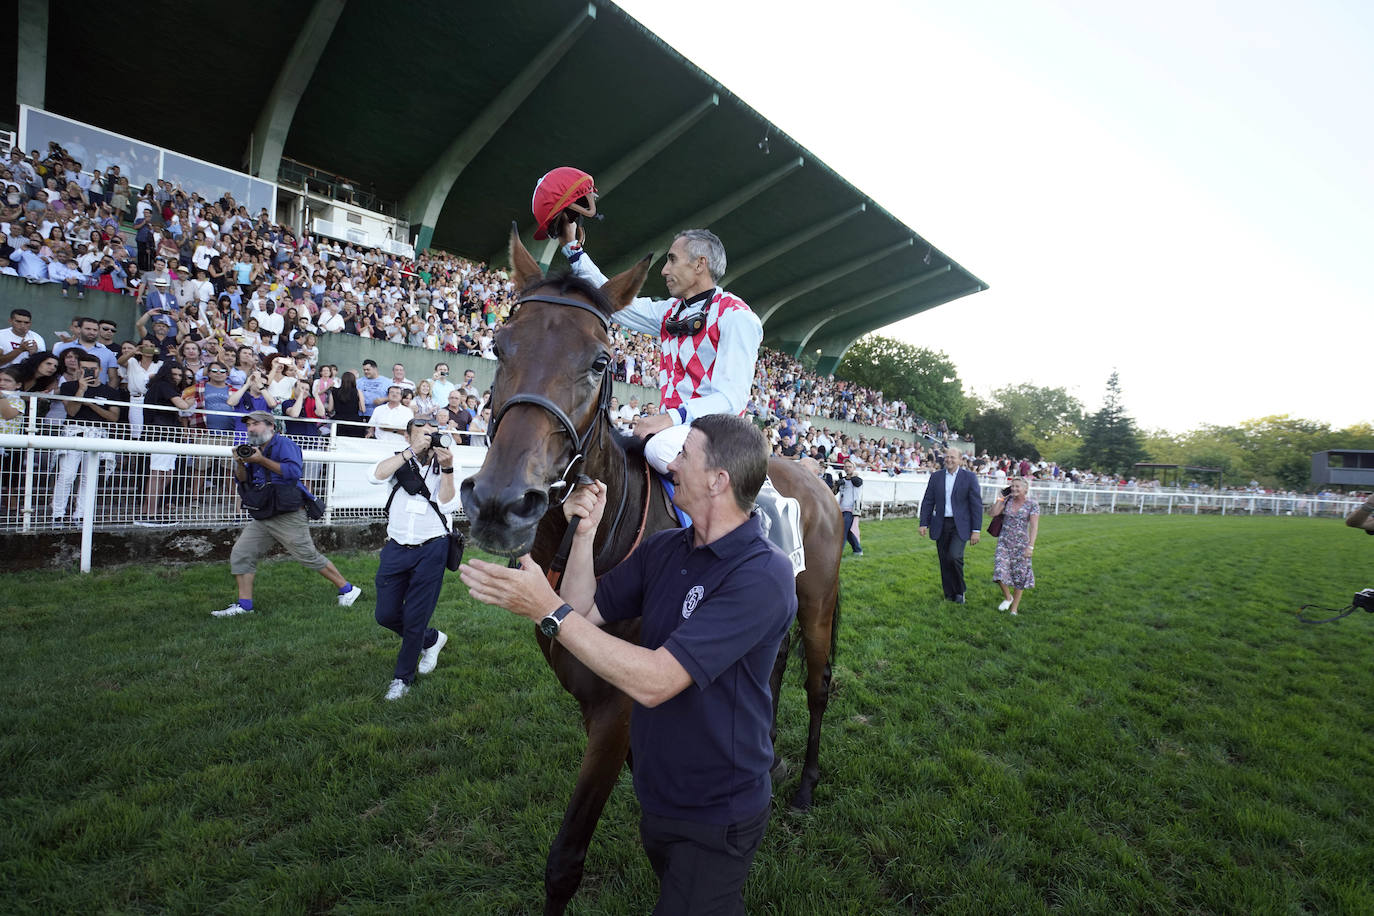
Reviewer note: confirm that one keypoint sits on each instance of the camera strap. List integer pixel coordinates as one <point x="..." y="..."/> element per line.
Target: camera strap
<point x="421" y="489"/>
<point x="1345" y="613"/>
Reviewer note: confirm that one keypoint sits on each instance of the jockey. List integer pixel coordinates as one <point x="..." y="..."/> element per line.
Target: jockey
<point x="709" y="338"/>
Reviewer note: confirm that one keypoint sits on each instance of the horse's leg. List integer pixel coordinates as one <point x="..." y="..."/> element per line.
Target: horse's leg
<point x="818" y="620"/>
<point x="775" y="684"/>
<point x="608" y="743"/>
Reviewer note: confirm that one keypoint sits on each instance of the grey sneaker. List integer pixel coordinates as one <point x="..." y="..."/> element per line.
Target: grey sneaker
<point x="398" y="689"/>
<point x="430" y="657"/>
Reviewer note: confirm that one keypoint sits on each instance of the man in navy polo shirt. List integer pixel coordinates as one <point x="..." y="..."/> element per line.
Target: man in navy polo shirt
<point x="715" y="600"/>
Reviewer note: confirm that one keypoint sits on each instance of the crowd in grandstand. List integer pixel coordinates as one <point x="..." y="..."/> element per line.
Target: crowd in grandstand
<point x="233" y="306"/>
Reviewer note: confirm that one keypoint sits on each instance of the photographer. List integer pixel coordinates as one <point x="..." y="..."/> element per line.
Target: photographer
<point x="1363" y="516"/>
<point x="268" y="472"/>
<point x="850" y="502"/>
<point x="91" y="420"/>
<point x="411" y="571"/>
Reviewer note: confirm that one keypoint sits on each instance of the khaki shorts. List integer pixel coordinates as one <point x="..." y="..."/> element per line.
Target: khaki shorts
<point x="289" y="530"/>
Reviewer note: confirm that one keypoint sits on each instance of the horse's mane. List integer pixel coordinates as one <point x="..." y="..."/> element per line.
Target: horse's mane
<point x="570" y="283"/>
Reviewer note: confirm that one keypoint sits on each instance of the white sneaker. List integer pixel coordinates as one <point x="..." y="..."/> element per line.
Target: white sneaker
<point x="1004" y="605"/>
<point x="398" y="689"/>
<point x="430" y="657"/>
<point x="232" y="610"/>
<point x="350" y="596"/>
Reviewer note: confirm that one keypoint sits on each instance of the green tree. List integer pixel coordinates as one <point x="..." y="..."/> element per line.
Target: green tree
<point x="995" y="432"/>
<point x="1040" y="413"/>
<point x="925" y="379"/>
<point x="1111" y="442"/>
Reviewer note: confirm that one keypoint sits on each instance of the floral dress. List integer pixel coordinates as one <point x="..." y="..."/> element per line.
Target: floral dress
<point x="1010" y="565"/>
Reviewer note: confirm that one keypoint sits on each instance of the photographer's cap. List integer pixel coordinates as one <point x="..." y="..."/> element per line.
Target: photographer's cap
<point x="261" y="416"/>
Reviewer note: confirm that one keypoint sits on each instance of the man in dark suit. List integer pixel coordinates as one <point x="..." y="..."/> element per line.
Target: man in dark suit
<point x="952" y="511"/>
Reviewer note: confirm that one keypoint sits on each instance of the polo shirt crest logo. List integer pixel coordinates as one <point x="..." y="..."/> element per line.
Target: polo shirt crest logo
<point x="689" y="604"/>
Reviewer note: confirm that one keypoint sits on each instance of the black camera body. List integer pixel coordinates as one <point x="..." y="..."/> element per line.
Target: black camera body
<point x="245" y="451"/>
<point x="441" y="440"/>
<point x="1364" y="599"/>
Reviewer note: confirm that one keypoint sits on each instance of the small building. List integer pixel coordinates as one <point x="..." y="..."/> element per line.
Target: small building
<point x="1350" y="467"/>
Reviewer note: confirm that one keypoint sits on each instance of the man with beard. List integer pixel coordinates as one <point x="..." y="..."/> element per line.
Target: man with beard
<point x="269" y="481"/>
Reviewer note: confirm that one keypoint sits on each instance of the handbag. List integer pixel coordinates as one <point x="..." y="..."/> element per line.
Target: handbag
<point x="995" y="526"/>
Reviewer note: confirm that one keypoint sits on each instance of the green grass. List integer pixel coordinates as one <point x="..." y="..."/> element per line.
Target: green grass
<point x="1154" y="734"/>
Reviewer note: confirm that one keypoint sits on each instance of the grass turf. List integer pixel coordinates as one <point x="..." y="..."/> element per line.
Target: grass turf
<point x="1155" y="733"/>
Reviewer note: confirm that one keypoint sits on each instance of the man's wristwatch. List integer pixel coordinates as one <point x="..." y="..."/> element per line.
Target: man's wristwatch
<point x="551" y="624"/>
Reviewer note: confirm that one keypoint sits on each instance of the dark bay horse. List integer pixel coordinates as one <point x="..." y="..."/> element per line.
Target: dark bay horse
<point x="549" y="426"/>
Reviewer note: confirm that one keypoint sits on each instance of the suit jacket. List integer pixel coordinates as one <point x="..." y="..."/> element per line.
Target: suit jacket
<point x="968" y="504"/>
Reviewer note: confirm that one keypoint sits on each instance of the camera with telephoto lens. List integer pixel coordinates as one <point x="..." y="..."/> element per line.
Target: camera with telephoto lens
<point x="441" y="440"/>
<point x="245" y="451"/>
<point x="1364" y="599"/>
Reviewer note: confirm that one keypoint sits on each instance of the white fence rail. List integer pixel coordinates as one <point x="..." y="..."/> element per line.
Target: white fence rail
<point x="881" y="493"/>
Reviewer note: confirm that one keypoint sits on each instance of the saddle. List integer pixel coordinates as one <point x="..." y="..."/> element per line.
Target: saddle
<point x="779" y="517"/>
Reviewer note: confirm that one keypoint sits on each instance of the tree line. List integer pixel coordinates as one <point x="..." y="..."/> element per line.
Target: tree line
<point x="1044" y="423"/>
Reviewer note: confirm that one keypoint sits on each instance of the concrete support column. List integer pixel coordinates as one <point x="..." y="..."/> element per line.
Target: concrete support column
<point x="31" y="35"/>
<point x="274" y="123"/>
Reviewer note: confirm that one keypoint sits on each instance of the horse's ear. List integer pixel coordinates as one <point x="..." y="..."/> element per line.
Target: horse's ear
<point x="523" y="264"/>
<point x="622" y="288"/>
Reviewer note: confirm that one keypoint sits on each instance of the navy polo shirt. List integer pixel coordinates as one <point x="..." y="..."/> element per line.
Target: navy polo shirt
<point x="722" y="611"/>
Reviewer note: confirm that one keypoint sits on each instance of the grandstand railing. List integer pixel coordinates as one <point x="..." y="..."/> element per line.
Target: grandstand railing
<point x="58" y="476"/>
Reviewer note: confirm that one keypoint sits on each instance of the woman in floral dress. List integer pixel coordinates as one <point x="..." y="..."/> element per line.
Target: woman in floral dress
<point x="1011" y="564"/>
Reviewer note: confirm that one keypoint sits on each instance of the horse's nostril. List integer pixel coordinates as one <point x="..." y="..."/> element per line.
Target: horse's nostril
<point x="533" y="504"/>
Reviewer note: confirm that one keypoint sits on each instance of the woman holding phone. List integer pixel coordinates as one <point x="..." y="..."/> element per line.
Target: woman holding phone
<point x="1011" y="563"/>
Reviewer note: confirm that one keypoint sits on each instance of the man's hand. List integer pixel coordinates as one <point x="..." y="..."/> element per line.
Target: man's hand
<point x="924" y="531"/>
<point x="443" y="456"/>
<point x="587" y="502"/>
<point x="569" y="230"/>
<point x="523" y="591"/>
<point x="644" y="427"/>
<point x="973" y="538"/>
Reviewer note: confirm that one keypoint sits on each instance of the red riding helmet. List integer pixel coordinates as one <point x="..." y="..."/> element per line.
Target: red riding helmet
<point x="565" y="188"/>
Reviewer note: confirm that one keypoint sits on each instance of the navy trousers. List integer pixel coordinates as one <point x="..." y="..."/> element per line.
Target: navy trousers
<point x="950" y="549"/>
<point x="850" y="537"/>
<point x="701" y="868"/>
<point x="408" y="584"/>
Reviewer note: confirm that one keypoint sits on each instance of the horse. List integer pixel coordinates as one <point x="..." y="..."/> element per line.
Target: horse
<point x="550" y="425"/>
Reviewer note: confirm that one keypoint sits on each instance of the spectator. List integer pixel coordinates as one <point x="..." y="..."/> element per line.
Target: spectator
<point x="345" y="404"/>
<point x="389" y="420"/>
<point x="373" y="387"/>
<point x="19" y="341"/>
<point x="952" y="513"/>
<point x="1011" y="564"/>
<point x="164" y="394"/>
<point x="89" y="419"/>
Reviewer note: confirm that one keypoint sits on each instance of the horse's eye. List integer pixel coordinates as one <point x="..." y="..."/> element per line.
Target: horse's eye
<point x="601" y="363"/>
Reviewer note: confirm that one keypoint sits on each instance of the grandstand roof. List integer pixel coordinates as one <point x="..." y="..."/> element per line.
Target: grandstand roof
<point x="403" y="94"/>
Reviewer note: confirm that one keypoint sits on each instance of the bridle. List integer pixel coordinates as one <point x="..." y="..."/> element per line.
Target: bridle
<point x="580" y="441"/>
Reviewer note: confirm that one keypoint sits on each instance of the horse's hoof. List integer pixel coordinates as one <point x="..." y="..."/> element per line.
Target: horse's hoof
<point x="801" y="801"/>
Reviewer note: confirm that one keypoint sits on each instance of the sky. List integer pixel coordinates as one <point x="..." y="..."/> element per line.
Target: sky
<point x="1179" y="191"/>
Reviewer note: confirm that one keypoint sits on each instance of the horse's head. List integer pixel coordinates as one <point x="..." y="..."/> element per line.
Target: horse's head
<point x="551" y="379"/>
